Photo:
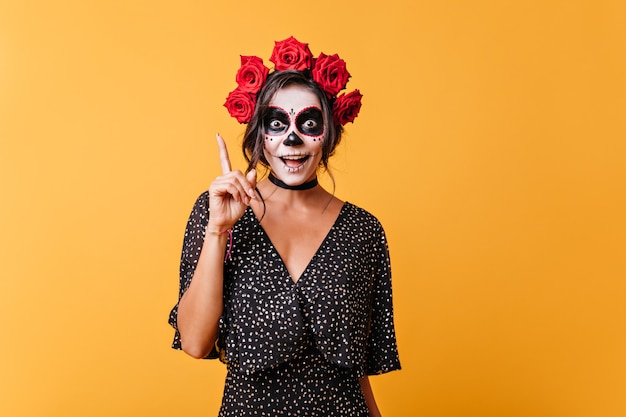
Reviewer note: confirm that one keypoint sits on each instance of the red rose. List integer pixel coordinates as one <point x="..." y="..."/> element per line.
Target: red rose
<point x="330" y="73"/>
<point x="346" y="107"/>
<point x="240" y="104"/>
<point x="291" y="54"/>
<point x="251" y="74"/>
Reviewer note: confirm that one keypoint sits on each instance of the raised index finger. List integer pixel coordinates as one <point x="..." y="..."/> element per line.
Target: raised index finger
<point x="224" y="159"/>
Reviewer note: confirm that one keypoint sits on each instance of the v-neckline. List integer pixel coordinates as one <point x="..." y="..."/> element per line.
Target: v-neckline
<point x="293" y="282"/>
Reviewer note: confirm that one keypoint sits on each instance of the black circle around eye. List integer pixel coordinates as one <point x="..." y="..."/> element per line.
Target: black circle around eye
<point x="310" y="121"/>
<point x="276" y="122"/>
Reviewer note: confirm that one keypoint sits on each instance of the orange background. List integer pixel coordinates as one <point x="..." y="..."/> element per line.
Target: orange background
<point x="491" y="145"/>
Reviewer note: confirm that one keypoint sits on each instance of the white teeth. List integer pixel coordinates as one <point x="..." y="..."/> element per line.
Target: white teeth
<point x="293" y="157"/>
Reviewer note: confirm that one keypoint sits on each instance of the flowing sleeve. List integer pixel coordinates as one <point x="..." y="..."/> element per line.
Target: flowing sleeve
<point x="382" y="351"/>
<point x="192" y="245"/>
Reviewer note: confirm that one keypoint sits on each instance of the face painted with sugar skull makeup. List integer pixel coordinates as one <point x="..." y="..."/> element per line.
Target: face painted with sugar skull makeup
<point x="294" y="134"/>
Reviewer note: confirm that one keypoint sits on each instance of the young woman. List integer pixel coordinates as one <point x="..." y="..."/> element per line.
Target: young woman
<point x="285" y="283"/>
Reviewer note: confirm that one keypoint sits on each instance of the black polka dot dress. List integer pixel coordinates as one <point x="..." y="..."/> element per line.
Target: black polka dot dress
<point x="299" y="349"/>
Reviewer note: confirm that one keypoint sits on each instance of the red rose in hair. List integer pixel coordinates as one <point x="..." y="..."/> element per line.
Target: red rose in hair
<point x="330" y="73"/>
<point x="346" y="107"/>
<point x="291" y="54"/>
<point x="240" y="104"/>
<point x="251" y="74"/>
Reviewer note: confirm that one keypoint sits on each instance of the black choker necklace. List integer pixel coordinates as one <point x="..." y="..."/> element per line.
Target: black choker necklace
<point x="304" y="186"/>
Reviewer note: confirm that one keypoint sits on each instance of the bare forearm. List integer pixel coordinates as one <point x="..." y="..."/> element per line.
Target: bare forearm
<point x="201" y="306"/>
<point x="369" y="397"/>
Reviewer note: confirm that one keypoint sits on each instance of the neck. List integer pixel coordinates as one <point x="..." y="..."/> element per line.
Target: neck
<point x="304" y="186"/>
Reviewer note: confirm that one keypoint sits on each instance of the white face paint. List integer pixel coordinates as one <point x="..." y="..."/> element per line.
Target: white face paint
<point x="294" y="134"/>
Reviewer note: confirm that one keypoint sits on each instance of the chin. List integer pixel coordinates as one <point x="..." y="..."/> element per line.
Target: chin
<point x="294" y="178"/>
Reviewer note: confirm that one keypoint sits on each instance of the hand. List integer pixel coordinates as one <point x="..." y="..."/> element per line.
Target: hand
<point x="230" y="193"/>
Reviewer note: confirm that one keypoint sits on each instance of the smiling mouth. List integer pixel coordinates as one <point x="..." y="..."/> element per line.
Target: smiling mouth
<point x="294" y="161"/>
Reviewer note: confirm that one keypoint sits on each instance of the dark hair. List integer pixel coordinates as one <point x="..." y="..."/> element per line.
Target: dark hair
<point x="254" y="138"/>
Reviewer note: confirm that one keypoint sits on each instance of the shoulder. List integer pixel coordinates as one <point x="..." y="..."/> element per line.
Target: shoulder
<point x="200" y="211"/>
<point x="202" y="201"/>
<point x="361" y="218"/>
<point x="201" y="205"/>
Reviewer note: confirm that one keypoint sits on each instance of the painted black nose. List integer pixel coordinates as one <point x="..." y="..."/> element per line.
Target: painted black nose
<point x="292" y="140"/>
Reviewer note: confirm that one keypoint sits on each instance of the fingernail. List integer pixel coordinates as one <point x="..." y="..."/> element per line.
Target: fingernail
<point x="251" y="193"/>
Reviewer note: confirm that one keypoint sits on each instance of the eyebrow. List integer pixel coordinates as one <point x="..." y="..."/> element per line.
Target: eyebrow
<point x="272" y="110"/>
<point x="308" y="110"/>
<point x="276" y="111"/>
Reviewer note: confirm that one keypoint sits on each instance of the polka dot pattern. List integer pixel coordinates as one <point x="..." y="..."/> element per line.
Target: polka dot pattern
<point x="284" y="342"/>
